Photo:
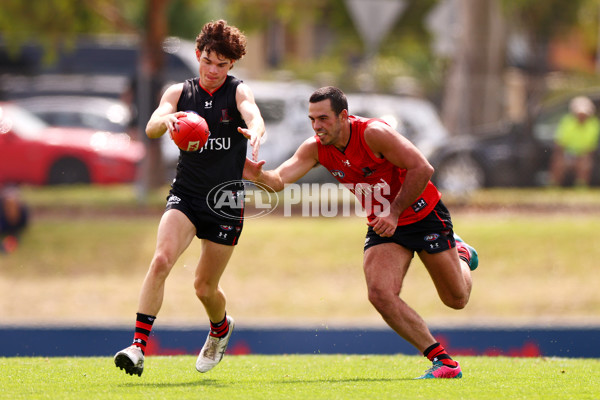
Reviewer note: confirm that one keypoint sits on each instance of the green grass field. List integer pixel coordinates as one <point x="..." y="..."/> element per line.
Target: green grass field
<point x="299" y="377"/>
<point x="85" y="242"/>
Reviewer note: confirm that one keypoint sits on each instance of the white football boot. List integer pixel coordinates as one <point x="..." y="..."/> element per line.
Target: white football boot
<point x="131" y="360"/>
<point x="214" y="349"/>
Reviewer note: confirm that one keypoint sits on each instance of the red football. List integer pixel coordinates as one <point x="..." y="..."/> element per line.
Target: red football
<point x="191" y="133"/>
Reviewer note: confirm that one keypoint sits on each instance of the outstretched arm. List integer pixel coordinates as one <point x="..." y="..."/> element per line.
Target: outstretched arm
<point x="305" y="158"/>
<point x="251" y="115"/>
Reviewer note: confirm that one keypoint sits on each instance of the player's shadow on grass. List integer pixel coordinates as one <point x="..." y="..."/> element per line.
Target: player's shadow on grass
<point x="216" y="383"/>
<point x="341" y="380"/>
<point x="201" y="382"/>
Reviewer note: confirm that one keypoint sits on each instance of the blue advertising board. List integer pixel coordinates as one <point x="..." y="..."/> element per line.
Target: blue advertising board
<point x="492" y="341"/>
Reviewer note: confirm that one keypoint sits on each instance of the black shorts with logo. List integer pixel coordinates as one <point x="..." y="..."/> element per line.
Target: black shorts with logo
<point x="433" y="233"/>
<point x="208" y="225"/>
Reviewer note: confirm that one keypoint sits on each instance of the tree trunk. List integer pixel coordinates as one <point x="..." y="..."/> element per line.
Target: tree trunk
<point x="150" y="79"/>
<point x="473" y="94"/>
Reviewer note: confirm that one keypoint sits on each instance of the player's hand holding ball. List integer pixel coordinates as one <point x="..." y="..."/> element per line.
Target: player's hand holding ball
<point x="191" y="132"/>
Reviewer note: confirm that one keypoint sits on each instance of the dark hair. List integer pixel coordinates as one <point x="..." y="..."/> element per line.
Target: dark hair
<point x="223" y="39"/>
<point x="335" y="95"/>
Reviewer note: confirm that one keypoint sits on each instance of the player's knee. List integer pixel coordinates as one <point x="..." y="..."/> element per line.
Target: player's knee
<point x="456" y="302"/>
<point x="161" y="265"/>
<point x="378" y="297"/>
<point x="204" y="292"/>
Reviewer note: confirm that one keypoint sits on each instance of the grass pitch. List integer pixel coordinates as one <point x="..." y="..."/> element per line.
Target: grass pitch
<point x="299" y="377"/>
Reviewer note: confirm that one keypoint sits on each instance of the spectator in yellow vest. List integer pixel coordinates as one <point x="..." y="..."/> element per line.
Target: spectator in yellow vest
<point x="575" y="142"/>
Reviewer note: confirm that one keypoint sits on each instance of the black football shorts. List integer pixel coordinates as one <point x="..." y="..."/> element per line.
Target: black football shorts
<point x="433" y="233"/>
<point x="208" y="225"/>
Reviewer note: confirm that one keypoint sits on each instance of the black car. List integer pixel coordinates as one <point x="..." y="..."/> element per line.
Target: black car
<point x="504" y="154"/>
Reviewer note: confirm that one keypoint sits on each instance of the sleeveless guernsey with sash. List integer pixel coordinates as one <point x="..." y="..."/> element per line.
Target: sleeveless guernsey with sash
<point x="222" y="158"/>
<point x="375" y="181"/>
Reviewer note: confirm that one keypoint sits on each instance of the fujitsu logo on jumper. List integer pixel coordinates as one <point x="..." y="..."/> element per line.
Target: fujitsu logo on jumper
<point x="216" y="144"/>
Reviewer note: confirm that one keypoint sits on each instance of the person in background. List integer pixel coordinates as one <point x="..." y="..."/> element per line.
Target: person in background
<point x="14" y="217"/>
<point x="575" y="143"/>
<point x="391" y="178"/>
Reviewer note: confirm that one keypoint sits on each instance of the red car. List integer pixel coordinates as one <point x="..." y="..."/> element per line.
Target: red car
<point x="32" y="152"/>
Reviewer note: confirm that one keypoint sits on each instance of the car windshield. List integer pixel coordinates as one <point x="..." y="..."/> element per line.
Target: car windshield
<point x="23" y="123"/>
<point x="85" y="119"/>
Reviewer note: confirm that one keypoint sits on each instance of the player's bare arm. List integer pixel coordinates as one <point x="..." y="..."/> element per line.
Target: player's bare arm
<point x="386" y="143"/>
<point x="294" y="168"/>
<point x="251" y="115"/>
<point x="165" y="116"/>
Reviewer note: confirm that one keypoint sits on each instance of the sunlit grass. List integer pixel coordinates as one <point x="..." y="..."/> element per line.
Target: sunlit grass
<point x="299" y="377"/>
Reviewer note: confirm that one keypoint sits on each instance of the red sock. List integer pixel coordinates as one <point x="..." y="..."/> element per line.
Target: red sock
<point x="436" y="352"/>
<point x="143" y="326"/>
<point x="463" y="252"/>
<point x="219" y="329"/>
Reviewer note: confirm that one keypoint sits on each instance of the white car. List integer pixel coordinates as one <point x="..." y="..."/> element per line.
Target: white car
<point x="284" y="108"/>
<point x="415" y="118"/>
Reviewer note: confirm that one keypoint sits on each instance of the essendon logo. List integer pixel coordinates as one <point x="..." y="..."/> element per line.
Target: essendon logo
<point x="225" y="116"/>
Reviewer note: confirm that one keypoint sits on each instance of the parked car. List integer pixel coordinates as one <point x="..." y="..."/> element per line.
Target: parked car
<point x="93" y="112"/>
<point x="504" y="154"/>
<point x="283" y="105"/>
<point x="415" y="118"/>
<point x="99" y="113"/>
<point x="284" y="108"/>
<point x="32" y="152"/>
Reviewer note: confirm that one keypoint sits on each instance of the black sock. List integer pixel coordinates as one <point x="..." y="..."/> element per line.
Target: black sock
<point x="219" y="329"/>
<point x="143" y="326"/>
<point x="436" y="352"/>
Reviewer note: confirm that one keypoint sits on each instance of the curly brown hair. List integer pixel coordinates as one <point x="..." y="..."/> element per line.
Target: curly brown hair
<point x="225" y="40"/>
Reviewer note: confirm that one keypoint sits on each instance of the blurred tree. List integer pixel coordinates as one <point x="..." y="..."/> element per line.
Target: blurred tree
<point x="536" y="24"/>
<point x="259" y="14"/>
<point x="281" y="23"/>
<point x="150" y="71"/>
<point x="473" y="76"/>
<point x="473" y="85"/>
<point x="185" y="18"/>
<point x="57" y="22"/>
<point x="407" y="53"/>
